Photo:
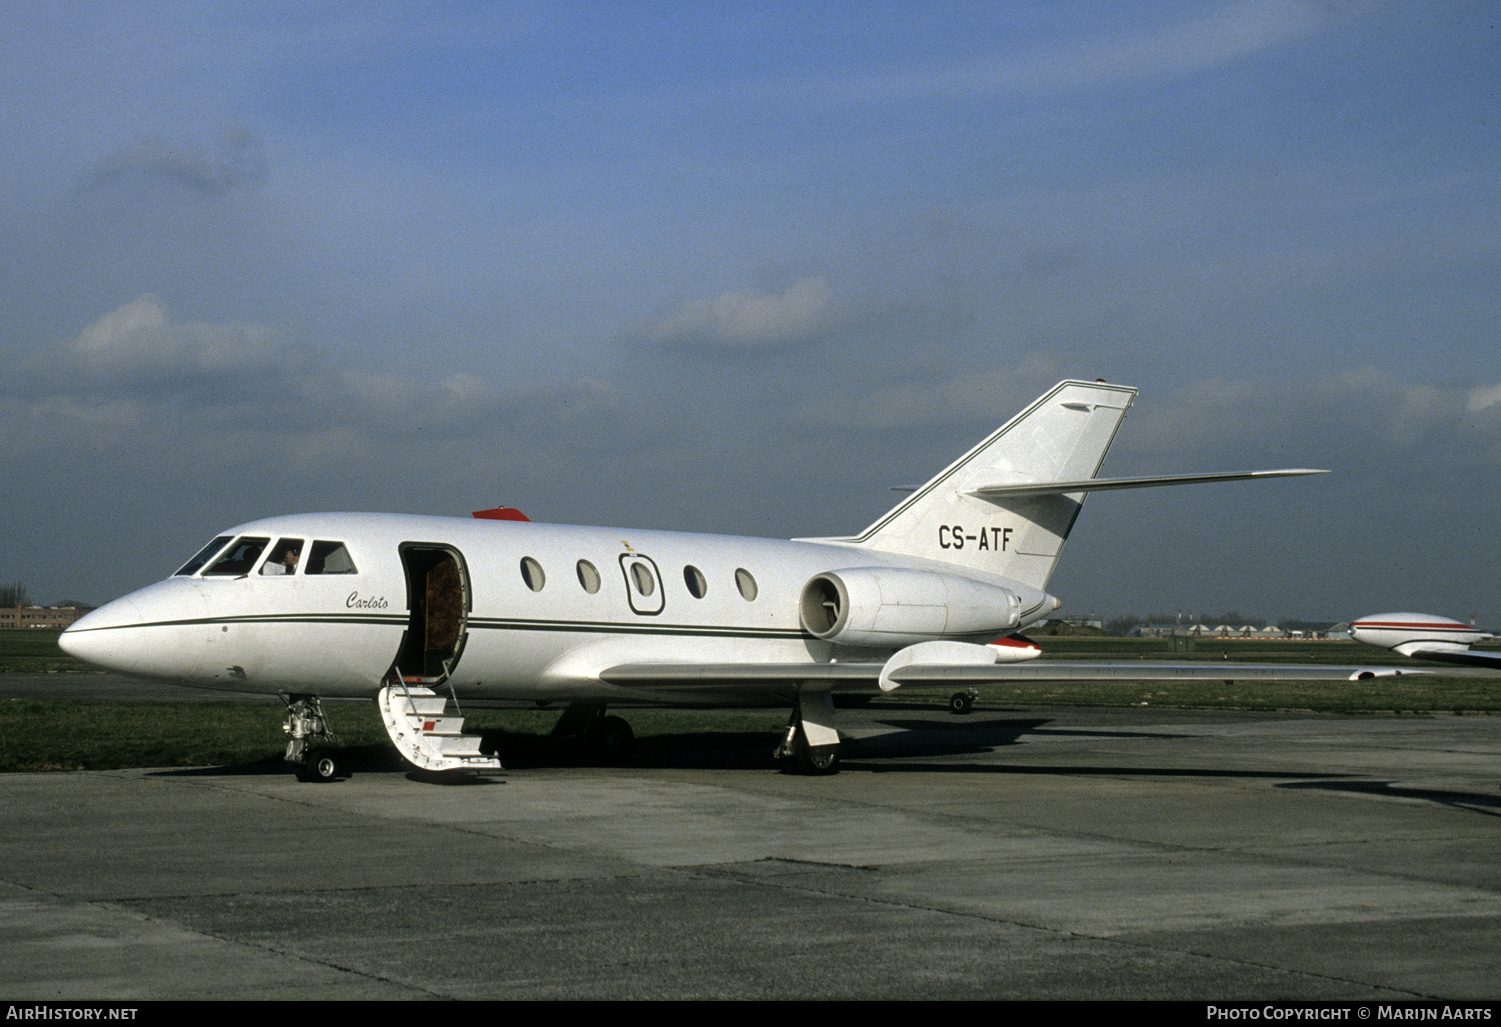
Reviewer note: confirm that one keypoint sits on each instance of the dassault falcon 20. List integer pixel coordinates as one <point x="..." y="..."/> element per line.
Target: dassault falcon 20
<point x="417" y="611"/>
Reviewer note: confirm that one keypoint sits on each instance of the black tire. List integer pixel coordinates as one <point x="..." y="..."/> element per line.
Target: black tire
<point x="611" y="741"/>
<point x="322" y="765"/>
<point x="961" y="702"/>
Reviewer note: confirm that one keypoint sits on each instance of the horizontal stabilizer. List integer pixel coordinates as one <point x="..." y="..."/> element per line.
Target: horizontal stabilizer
<point x="1057" y="488"/>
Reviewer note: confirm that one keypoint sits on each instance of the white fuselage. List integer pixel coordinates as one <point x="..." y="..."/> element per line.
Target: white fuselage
<point x="1408" y="633"/>
<point x="544" y="607"/>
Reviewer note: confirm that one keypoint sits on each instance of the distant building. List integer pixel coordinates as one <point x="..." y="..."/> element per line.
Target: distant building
<point x="45" y="617"/>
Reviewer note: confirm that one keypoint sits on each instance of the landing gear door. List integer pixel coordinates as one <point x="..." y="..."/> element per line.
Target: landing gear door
<point x="439" y="599"/>
<point x="643" y="585"/>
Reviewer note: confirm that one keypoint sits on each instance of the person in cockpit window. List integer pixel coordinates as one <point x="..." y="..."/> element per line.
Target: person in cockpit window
<point x="284" y="559"/>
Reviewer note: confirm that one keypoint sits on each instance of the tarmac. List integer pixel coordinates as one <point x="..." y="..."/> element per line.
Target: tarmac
<point x="1043" y="853"/>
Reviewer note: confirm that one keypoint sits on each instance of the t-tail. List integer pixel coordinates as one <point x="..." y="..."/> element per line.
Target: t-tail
<point x="958" y="517"/>
<point x="1006" y="507"/>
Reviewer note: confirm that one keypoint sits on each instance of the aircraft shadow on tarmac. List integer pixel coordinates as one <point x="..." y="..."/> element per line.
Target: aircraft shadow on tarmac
<point x="1472" y="802"/>
<point x="906" y="752"/>
<point x="913" y="746"/>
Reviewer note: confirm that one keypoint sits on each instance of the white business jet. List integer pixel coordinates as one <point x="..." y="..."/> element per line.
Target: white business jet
<point x="1425" y="636"/>
<point x="403" y="609"/>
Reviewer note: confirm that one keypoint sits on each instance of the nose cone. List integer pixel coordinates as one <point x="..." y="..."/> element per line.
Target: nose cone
<point x="152" y="633"/>
<point x="100" y="637"/>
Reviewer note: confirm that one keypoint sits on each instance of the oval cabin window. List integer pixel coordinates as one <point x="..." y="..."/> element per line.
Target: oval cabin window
<point x="642" y="576"/>
<point x="531" y="573"/>
<point x="588" y="576"/>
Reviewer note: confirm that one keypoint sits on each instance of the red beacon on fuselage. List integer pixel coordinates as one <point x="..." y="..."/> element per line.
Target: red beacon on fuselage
<point x="502" y="513"/>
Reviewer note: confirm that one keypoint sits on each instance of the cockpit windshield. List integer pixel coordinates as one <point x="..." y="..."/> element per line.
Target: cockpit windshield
<point x="324" y="556"/>
<point x="204" y="555"/>
<point x="239" y="558"/>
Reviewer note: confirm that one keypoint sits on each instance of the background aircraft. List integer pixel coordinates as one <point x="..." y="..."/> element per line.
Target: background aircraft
<point x="1425" y="636"/>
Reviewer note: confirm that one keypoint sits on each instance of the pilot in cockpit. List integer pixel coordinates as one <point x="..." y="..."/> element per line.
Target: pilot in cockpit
<point x="284" y="558"/>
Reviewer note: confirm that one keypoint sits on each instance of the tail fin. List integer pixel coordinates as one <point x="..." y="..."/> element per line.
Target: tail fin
<point x="1062" y="437"/>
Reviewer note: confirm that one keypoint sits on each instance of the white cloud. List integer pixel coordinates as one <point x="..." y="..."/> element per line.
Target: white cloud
<point x="802" y="311"/>
<point x="142" y="337"/>
<point x="133" y="324"/>
<point x="1483" y="398"/>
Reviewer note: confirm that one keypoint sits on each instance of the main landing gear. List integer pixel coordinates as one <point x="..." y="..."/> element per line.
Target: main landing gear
<point x="608" y="741"/>
<point x="963" y="702"/>
<point x="311" y="744"/>
<point x="811" y="745"/>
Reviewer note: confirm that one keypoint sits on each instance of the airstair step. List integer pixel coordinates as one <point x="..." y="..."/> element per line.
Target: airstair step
<point x="422" y="705"/>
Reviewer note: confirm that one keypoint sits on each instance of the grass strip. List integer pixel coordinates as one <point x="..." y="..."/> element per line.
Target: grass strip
<point x="37" y="735"/>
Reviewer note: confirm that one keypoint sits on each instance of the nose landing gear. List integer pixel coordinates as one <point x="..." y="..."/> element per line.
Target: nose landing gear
<point x="310" y="741"/>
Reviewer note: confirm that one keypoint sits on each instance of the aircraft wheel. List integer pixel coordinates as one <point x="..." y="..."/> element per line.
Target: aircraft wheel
<point x="611" y="741"/>
<point x="818" y="763"/>
<point x="322" y="765"/>
<point x="961" y="702"/>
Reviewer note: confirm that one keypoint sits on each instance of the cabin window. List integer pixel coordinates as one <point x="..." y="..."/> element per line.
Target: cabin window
<point x="588" y="576"/>
<point x="283" y="558"/>
<point x="641" y="576"/>
<point x="329" y="558"/>
<point x="204" y="555"/>
<point x="239" y="558"/>
<point x="698" y="585"/>
<point x="531" y="573"/>
<point x="745" y="583"/>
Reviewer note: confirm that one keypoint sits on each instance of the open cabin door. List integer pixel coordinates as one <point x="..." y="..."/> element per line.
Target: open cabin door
<point x="438" y="598"/>
<point x="415" y="714"/>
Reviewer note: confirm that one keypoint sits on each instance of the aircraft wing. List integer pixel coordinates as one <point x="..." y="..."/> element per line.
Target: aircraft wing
<point x="776" y="678"/>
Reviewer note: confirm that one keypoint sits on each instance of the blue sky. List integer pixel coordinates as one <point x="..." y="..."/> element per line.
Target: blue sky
<point x="742" y="267"/>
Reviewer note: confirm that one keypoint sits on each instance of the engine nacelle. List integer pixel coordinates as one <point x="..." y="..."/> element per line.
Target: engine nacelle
<point x="887" y="606"/>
